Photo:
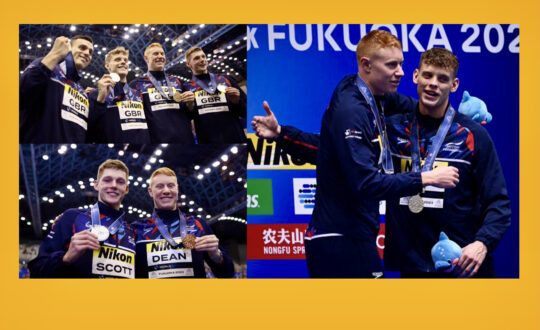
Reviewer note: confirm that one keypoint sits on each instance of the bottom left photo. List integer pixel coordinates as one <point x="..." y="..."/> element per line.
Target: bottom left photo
<point x="132" y="211"/>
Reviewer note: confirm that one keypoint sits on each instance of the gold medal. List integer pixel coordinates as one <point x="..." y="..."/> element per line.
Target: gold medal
<point x="177" y="96"/>
<point x="416" y="204"/>
<point x="189" y="241"/>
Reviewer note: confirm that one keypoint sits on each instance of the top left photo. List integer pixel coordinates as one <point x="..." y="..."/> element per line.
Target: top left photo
<point x="137" y="83"/>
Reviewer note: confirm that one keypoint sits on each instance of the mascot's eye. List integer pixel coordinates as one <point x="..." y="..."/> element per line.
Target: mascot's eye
<point x="449" y="261"/>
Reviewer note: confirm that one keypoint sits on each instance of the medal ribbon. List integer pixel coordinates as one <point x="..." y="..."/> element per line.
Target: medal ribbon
<point x="385" y="158"/>
<point x="68" y="70"/>
<point x="127" y="92"/>
<point x="213" y="83"/>
<point x="70" y="66"/>
<point x="96" y="220"/>
<point x="158" y="85"/>
<point x="163" y="228"/>
<point x="434" y="147"/>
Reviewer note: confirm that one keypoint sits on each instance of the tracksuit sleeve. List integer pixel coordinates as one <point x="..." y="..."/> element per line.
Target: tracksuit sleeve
<point x="358" y="157"/>
<point x="298" y="144"/>
<point x="97" y="110"/>
<point x="33" y="83"/>
<point x="493" y="195"/>
<point x="225" y="269"/>
<point x="49" y="263"/>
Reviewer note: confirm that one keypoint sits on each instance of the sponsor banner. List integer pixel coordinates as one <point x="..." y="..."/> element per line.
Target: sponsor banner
<point x="263" y="154"/>
<point x="304" y="195"/>
<point x="276" y="241"/>
<point x="286" y="241"/>
<point x="260" y="197"/>
<point x="113" y="262"/>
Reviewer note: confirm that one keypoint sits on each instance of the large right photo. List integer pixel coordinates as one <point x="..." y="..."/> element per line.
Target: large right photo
<point x="383" y="151"/>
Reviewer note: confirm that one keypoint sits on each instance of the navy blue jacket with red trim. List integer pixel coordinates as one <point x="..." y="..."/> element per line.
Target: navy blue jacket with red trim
<point x="168" y="121"/>
<point x="349" y="181"/>
<point x="49" y="263"/>
<point x="477" y="209"/>
<point x="156" y="258"/>
<point x="221" y="126"/>
<point x="42" y="113"/>
<point x="105" y="124"/>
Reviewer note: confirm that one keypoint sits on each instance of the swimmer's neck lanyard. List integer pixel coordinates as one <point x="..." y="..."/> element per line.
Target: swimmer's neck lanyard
<point x="68" y="69"/>
<point x="165" y="232"/>
<point x="127" y="92"/>
<point x="211" y="87"/>
<point x="157" y="84"/>
<point x="96" y="220"/>
<point x="434" y="147"/>
<point x="385" y="158"/>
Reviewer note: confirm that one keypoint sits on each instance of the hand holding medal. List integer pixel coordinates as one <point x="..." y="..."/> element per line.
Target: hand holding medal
<point x="105" y="86"/>
<point x="187" y="97"/>
<point x="232" y="93"/>
<point x="80" y="242"/>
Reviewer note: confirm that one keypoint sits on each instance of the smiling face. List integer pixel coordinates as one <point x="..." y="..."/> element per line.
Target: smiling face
<point x="118" y="63"/>
<point x="155" y="58"/>
<point x="384" y="68"/>
<point x="197" y="62"/>
<point x="82" y="51"/>
<point x="112" y="186"/>
<point x="164" y="190"/>
<point x="435" y="84"/>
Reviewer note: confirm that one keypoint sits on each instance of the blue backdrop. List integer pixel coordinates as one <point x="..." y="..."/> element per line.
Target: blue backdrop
<point x="296" y="67"/>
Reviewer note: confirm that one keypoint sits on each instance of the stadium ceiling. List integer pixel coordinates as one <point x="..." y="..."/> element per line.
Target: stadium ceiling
<point x="225" y="46"/>
<point x="53" y="178"/>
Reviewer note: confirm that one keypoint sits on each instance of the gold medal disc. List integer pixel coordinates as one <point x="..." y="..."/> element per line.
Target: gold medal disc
<point x="189" y="241"/>
<point x="177" y="96"/>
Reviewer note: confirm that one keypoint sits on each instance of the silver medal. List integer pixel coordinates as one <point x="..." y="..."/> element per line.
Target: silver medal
<point x="416" y="204"/>
<point x="115" y="77"/>
<point x="221" y="88"/>
<point x="102" y="232"/>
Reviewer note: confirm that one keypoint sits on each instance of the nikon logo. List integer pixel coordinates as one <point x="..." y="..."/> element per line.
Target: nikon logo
<point x="267" y="155"/>
<point x="113" y="254"/>
<point x="161" y="246"/>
